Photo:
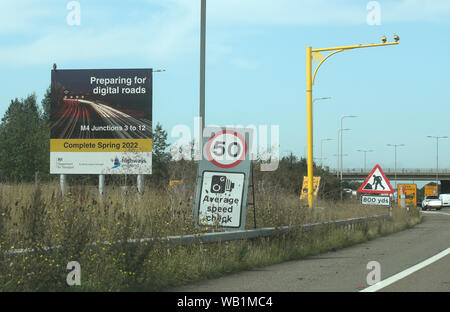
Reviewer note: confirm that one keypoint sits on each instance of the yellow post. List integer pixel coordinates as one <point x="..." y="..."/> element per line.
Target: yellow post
<point x="309" y="111"/>
<point x="309" y="83"/>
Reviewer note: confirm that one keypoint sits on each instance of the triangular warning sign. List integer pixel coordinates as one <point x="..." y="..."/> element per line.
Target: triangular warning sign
<point x="376" y="183"/>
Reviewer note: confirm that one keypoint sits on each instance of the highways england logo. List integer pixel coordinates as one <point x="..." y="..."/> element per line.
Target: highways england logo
<point x="116" y="163"/>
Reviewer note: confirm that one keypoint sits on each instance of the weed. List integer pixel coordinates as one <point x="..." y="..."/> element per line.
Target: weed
<point x="93" y="231"/>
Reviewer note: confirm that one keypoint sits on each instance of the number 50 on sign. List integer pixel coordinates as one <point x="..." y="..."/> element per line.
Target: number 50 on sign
<point x="226" y="149"/>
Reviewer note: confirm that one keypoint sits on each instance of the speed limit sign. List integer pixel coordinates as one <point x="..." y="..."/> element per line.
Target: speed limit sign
<point x="226" y="149"/>
<point x="223" y="178"/>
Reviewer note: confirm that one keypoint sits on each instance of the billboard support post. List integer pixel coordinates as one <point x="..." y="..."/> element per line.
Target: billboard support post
<point x="62" y="183"/>
<point x="140" y="183"/>
<point x="36" y="178"/>
<point x="101" y="185"/>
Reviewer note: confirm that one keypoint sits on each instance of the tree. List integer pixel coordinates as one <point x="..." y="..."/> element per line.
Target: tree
<point x="24" y="140"/>
<point x="47" y="105"/>
<point x="161" y="158"/>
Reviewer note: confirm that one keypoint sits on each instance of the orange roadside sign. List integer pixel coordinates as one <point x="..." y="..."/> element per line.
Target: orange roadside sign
<point x="316" y="184"/>
<point x="410" y="192"/>
<point x="430" y="190"/>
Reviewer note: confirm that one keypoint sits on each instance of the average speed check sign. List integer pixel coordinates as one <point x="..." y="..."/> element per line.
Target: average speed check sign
<point x="226" y="149"/>
<point x="223" y="178"/>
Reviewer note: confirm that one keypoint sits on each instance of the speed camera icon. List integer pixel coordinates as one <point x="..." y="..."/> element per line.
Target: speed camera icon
<point x="220" y="184"/>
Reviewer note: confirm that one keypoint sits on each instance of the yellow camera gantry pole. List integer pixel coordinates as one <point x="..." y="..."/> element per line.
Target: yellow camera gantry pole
<point x="310" y="79"/>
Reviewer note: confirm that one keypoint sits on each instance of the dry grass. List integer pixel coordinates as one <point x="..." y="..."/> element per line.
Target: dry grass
<point x="33" y="217"/>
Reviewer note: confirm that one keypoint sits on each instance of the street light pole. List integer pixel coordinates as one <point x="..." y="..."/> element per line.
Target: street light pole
<point x="437" y="157"/>
<point x="342" y="144"/>
<point x="339" y="153"/>
<point x="202" y="64"/>
<point x="395" y="170"/>
<point x="365" y="152"/>
<point x="321" y="145"/>
<point x="321" y="99"/>
<point x="337" y="156"/>
<point x="342" y="150"/>
<point x="314" y="102"/>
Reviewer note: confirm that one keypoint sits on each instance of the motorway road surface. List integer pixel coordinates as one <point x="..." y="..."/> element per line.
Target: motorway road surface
<point x="345" y="270"/>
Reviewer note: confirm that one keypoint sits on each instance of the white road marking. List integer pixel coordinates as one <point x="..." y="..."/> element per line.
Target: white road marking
<point x="435" y="212"/>
<point x="405" y="273"/>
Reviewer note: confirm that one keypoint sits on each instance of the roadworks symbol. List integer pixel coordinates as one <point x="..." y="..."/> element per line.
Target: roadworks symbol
<point x="377" y="181"/>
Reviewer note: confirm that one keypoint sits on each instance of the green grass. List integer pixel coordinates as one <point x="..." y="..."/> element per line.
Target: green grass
<point x="33" y="217"/>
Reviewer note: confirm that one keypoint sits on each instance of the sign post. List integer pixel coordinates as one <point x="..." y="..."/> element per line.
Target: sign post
<point x="101" y="185"/>
<point x="376" y="189"/>
<point x="140" y="184"/>
<point x="62" y="183"/>
<point x="223" y="179"/>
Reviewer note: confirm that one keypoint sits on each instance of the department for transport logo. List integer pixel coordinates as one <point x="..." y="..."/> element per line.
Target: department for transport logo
<point x="61" y="163"/>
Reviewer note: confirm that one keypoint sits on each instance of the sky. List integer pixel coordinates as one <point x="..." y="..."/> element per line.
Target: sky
<point x="256" y="66"/>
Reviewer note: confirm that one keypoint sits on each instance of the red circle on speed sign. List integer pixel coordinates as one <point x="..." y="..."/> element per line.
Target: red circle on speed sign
<point x="226" y="149"/>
